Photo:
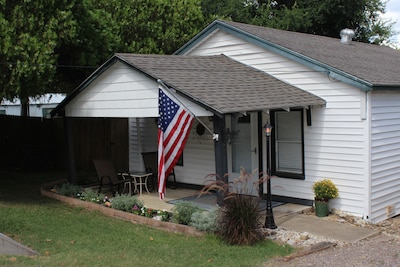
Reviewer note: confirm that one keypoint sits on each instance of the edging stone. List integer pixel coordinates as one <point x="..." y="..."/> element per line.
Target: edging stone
<point x="133" y="218"/>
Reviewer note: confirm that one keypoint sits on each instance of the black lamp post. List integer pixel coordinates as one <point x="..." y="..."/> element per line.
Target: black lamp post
<point x="269" y="216"/>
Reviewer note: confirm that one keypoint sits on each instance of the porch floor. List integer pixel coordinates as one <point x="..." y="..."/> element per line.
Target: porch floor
<point x="152" y="200"/>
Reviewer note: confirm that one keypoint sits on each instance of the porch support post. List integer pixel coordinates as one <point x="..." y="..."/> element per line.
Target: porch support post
<point x="70" y="150"/>
<point x="221" y="159"/>
<point x="260" y="154"/>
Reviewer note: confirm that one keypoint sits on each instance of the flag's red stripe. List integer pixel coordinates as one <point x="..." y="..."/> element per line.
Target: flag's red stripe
<point x="177" y="141"/>
<point x="178" y="154"/>
<point x="170" y="131"/>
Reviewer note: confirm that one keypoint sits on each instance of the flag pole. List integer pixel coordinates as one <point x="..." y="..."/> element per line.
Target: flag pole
<point x="215" y="136"/>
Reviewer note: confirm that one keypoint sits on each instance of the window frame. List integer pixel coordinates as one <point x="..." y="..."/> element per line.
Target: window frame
<point x="274" y="151"/>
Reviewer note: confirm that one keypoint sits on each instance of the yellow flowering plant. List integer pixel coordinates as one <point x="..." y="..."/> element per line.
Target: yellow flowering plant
<point x="325" y="189"/>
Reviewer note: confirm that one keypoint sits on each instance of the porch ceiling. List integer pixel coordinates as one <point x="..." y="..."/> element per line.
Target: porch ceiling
<point x="220" y="83"/>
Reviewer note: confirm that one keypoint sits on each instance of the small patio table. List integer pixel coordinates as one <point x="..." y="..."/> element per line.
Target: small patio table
<point x="140" y="180"/>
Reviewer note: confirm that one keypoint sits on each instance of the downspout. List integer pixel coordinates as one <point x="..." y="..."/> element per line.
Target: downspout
<point x="366" y="115"/>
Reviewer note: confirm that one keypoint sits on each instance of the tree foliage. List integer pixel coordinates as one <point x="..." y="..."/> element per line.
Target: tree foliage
<point x="154" y="26"/>
<point x="40" y="42"/>
<point x="321" y="17"/>
<point x="27" y="47"/>
<point x="53" y="45"/>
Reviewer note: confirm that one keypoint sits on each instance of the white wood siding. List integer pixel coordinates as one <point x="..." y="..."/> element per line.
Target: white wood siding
<point x="198" y="156"/>
<point x="385" y="159"/>
<point x="335" y="144"/>
<point x="142" y="138"/>
<point x="122" y="92"/>
<point x="118" y="92"/>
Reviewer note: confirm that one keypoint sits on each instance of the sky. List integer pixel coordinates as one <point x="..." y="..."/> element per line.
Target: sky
<point x="393" y="13"/>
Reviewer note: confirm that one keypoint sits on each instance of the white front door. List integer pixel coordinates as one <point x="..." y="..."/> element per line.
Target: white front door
<point x="242" y="147"/>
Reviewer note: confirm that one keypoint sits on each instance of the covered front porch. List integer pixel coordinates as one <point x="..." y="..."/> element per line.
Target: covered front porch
<point x="212" y="88"/>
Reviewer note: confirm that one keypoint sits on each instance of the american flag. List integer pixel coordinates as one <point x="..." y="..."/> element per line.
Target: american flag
<point x="174" y="125"/>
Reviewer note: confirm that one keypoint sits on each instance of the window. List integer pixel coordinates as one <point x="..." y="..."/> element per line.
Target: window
<point x="287" y="144"/>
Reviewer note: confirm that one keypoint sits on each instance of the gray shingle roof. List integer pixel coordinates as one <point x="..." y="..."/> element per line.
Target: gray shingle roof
<point x="377" y="65"/>
<point x="221" y="83"/>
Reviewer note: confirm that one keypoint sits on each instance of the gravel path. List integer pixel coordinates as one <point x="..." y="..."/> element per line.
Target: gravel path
<point x="364" y="253"/>
<point x="382" y="251"/>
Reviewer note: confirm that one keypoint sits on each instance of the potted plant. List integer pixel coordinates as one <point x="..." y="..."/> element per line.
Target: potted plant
<point x="324" y="190"/>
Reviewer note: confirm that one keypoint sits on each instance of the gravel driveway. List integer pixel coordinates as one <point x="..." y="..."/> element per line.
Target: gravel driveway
<point x="363" y="253"/>
<point x="382" y="250"/>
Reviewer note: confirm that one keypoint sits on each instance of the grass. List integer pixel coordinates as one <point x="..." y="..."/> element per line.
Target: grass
<point x="68" y="236"/>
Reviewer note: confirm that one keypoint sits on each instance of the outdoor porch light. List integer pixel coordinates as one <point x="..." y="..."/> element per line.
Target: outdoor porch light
<point x="269" y="215"/>
<point x="267" y="129"/>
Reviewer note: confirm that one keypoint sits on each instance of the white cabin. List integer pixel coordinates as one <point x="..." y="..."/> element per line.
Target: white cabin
<point x="334" y="108"/>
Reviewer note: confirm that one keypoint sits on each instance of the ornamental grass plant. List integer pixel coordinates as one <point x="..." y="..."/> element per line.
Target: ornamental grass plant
<point x="239" y="218"/>
<point x="325" y="189"/>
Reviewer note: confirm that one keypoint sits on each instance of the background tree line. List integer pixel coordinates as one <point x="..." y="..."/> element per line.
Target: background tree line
<point x="49" y="46"/>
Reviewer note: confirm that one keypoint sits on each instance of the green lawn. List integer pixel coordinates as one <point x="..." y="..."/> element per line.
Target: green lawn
<point x="68" y="236"/>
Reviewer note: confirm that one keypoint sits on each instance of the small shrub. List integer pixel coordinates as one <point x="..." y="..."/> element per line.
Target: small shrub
<point x="182" y="212"/>
<point x="69" y="190"/>
<point x="126" y="202"/>
<point x="206" y="220"/>
<point x="92" y="196"/>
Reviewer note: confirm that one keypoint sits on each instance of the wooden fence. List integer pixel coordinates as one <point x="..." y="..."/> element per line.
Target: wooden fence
<point x="37" y="143"/>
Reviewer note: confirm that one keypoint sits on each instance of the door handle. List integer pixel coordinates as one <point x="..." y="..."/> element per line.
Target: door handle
<point x="254" y="150"/>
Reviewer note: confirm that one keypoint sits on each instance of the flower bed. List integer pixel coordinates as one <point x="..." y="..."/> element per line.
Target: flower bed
<point x="146" y="216"/>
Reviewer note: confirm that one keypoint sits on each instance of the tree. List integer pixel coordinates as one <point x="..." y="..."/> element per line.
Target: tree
<point x="239" y="11"/>
<point x="27" y="49"/>
<point x="155" y="26"/>
<point x="93" y="37"/>
<point x="37" y="36"/>
<point x="53" y="45"/>
<point x="329" y="17"/>
<point x="322" y="17"/>
<point x="284" y="16"/>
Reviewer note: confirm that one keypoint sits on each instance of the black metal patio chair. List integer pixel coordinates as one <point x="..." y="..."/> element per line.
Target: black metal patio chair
<point x="109" y="177"/>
